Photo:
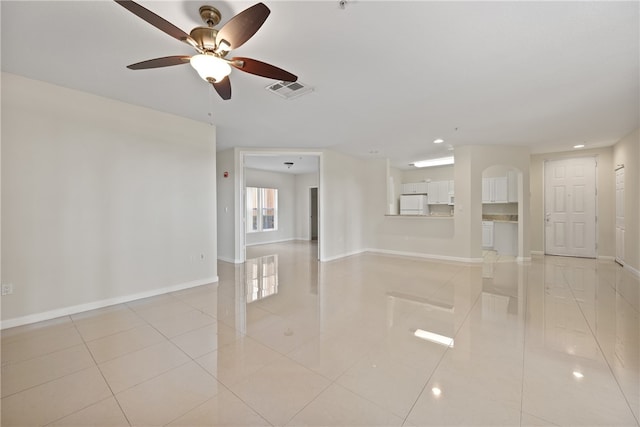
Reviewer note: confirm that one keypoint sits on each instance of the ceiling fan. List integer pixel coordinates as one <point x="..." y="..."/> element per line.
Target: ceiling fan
<point x="213" y="45"/>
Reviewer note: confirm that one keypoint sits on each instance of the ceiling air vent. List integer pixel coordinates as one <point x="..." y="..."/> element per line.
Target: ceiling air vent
<point x="289" y="90"/>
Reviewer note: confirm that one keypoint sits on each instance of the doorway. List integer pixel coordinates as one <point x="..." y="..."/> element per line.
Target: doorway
<point x="313" y="213"/>
<point x="570" y="207"/>
<point x="620" y="215"/>
<point x="292" y="174"/>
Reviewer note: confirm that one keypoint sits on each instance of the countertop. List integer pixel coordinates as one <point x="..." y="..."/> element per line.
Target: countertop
<point x="420" y="216"/>
<point x="500" y="218"/>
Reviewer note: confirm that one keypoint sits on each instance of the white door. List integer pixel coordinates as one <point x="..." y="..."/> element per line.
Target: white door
<point x="570" y="207"/>
<point x="620" y="215"/>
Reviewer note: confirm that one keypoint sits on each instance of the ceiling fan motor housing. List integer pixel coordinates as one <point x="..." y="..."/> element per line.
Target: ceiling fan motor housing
<point x="205" y="37"/>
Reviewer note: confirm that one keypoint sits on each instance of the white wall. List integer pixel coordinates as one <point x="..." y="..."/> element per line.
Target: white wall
<point x="225" y="193"/>
<point x="627" y="152"/>
<point x="302" y="185"/>
<point x="394" y="176"/>
<point x="286" y="185"/>
<point x="343" y="213"/>
<point x="437" y="173"/>
<point x="102" y="201"/>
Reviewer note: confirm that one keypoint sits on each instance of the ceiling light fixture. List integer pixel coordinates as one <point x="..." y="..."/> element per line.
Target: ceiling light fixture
<point x="210" y="67"/>
<point x="434" y="162"/>
<point x="438" y="141"/>
<point x="436" y="391"/>
<point x="578" y="374"/>
<point x="578" y="146"/>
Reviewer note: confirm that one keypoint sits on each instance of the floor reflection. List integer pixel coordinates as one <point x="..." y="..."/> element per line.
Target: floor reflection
<point x="261" y="276"/>
<point x="370" y="339"/>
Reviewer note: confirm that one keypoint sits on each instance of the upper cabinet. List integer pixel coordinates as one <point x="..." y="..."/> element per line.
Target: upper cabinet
<point x="495" y="190"/>
<point x="415" y="188"/>
<point x="440" y="192"/>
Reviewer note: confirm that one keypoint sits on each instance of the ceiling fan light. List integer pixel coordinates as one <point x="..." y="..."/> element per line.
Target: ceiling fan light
<point x="210" y="67"/>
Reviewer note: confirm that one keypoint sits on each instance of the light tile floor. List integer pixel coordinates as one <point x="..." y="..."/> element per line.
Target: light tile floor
<point x="369" y="340"/>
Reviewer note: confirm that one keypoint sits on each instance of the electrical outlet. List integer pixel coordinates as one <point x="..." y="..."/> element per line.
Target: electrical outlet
<point x="7" y="289"/>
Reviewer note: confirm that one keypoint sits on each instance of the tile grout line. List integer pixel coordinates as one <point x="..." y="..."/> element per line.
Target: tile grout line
<point x="524" y="341"/>
<point x="196" y="362"/>
<point x="103" y="378"/>
<point x="604" y="357"/>
<point x="437" y="365"/>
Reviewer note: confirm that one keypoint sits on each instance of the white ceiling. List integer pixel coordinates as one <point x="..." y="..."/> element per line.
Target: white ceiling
<point x="302" y="163"/>
<point x="389" y="76"/>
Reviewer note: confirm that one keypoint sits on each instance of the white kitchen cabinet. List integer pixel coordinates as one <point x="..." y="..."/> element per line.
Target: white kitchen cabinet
<point x="432" y="193"/>
<point x="438" y="192"/>
<point x="487" y="234"/>
<point x="505" y="238"/>
<point x="486" y="190"/>
<point x="409" y="188"/>
<point x="501" y="192"/>
<point x="443" y="192"/>
<point x="495" y="190"/>
<point x="415" y="188"/>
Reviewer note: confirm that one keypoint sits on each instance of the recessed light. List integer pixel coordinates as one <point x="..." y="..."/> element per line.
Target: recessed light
<point x="436" y="391"/>
<point x="438" y="141"/>
<point x="578" y="146"/>
<point x="578" y="374"/>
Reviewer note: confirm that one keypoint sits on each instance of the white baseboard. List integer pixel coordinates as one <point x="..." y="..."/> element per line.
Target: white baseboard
<point x="67" y="311"/>
<point x="428" y="256"/>
<point x="633" y="271"/>
<point x="344" y="255"/>
<point x="536" y="252"/>
<point x="272" y="241"/>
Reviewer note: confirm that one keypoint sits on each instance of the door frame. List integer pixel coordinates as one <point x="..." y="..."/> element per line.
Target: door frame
<point x="316" y="213"/>
<point x="544" y="201"/>
<point x="619" y="209"/>
<point x="240" y="196"/>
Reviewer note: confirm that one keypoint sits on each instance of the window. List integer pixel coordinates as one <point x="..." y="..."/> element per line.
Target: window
<point x="262" y="209"/>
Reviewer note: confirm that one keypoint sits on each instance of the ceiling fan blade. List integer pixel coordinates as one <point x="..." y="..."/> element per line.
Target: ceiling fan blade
<point x="160" y="62"/>
<point x="223" y="87"/>
<point x="241" y="27"/>
<point x="158" y="22"/>
<point x="259" y="68"/>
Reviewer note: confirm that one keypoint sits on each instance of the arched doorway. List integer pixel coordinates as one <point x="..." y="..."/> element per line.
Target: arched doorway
<point x="501" y="212"/>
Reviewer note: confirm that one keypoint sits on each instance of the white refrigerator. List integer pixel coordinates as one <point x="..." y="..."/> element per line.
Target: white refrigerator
<point x="414" y="204"/>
